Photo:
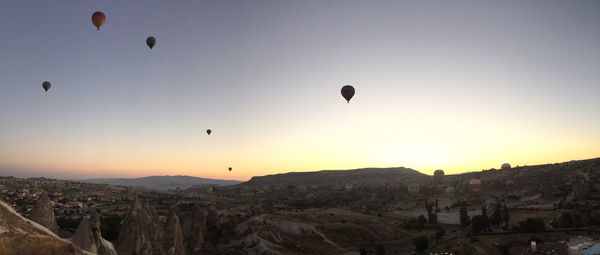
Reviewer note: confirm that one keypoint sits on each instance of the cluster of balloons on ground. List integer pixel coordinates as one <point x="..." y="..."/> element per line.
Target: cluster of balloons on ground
<point x="474" y="184"/>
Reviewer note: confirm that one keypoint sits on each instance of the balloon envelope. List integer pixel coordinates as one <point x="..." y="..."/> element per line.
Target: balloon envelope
<point x="438" y="175"/>
<point x="151" y="41"/>
<point x="414" y="188"/>
<point x="450" y="191"/>
<point x="46" y="85"/>
<point x="505" y="166"/>
<point x="98" y="18"/>
<point x="208" y="131"/>
<point x="475" y="185"/>
<point x="230" y="169"/>
<point x="348" y="92"/>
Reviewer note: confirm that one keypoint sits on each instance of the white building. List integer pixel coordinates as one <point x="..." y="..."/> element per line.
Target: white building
<point x="583" y="246"/>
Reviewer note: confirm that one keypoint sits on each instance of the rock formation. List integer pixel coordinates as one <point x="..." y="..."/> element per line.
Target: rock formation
<point x="89" y="238"/>
<point x="141" y="231"/>
<point x="194" y="229"/>
<point x="212" y="218"/>
<point x="43" y="213"/>
<point x="173" y="234"/>
<point x="20" y="236"/>
<point x="84" y="236"/>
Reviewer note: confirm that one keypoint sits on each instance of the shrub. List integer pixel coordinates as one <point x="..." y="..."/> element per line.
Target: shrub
<point x="421" y="243"/>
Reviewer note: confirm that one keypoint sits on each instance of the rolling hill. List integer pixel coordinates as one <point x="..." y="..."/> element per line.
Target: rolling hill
<point x="163" y="182"/>
<point x="339" y="177"/>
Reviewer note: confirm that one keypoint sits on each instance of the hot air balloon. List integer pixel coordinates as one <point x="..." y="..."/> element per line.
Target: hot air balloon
<point x="302" y="188"/>
<point x="475" y="185"/>
<point x="46" y="85"/>
<point x="348" y="92"/>
<point x="438" y="175"/>
<point x="98" y="18"/>
<point x="509" y="183"/>
<point x="450" y="191"/>
<point x="348" y="186"/>
<point x="414" y="188"/>
<point x="230" y="169"/>
<point x="208" y="131"/>
<point x="505" y="166"/>
<point x="151" y="41"/>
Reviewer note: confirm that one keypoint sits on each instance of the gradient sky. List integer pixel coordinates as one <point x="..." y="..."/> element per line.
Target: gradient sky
<point x="456" y="85"/>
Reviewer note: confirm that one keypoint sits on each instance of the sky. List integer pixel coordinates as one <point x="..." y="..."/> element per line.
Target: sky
<point x="454" y="85"/>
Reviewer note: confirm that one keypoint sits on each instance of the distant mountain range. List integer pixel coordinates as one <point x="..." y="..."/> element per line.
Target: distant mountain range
<point x="163" y="182"/>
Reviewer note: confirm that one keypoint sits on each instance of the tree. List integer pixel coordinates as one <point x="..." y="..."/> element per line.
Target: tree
<point x="440" y="233"/>
<point x="565" y="220"/>
<point x="363" y="251"/>
<point x="431" y="214"/>
<point x="532" y="225"/>
<point x="380" y="250"/>
<point x="577" y="221"/>
<point x="421" y="221"/>
<point x="497" y="217"/>
<point x="421" y="243"/>
<point x="504" y="248"/>
<point x="505" y="216"/>
<point x="464" y="215"/>
<point x="480" y="223"/>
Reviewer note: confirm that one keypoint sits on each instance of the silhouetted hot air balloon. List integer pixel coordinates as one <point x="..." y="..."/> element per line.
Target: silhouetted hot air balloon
<point x="151" y="41"/>
<point x="46" y="85"/>
<point x="348" y="92"/>
<point x="475" y="185"/>
<point x="208" y="131"/>
<point x="438" y="175"/>
<point x="414" y="188"/>
<point x="450" y="191"/>
<point x="505" y="166"/>
<point x="98" y="18"/>
<point x="230" y="169"/>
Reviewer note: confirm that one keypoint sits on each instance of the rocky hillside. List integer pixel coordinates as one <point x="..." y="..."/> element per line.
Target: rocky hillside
<point x="43" y="213"/>
<point x="554" y="183"/>
<point x="568" y="181"/>
<point x="141" y="232"/>
<point x="20" y="236"/>
<point x="340" y="177"/>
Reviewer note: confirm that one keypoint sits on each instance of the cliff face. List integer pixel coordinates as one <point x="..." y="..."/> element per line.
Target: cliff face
<point x="84" y="238"/>
<point x="89" y="238"/>
<point x="43" y="213"/>
<point x="194" y="228"/>
<point x="141" y="231"/>
<point x="20" y="236"/>
<point x="173" y="235"/>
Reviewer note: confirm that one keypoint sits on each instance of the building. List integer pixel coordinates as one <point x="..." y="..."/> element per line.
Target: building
<point x="583" y="246"/>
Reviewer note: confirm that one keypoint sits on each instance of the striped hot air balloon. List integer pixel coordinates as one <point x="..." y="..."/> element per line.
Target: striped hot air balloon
<point x="414" y="188"/>
<point x="475" y="185"/>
